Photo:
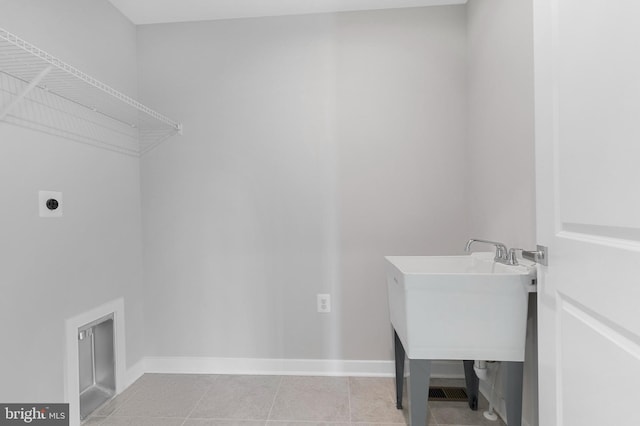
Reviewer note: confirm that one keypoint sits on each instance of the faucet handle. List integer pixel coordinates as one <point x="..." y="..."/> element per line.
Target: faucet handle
<point x="501" y="252"/>
<point x="511" y="257"/>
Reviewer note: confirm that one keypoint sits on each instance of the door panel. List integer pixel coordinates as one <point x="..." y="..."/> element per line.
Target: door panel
<point x="598" y="102"/>
<point x="587" y="78"/>
<point x="597" y="367"/>
<point x="602" y="274"/>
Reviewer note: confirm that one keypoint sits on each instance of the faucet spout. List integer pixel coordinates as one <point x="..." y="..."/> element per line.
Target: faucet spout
<point x="468" y="246"/>
<point x="501" y="249"/>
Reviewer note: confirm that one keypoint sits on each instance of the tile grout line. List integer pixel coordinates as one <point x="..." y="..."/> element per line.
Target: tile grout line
<point x="273" y="402"/>
<point x="199" y="400"/>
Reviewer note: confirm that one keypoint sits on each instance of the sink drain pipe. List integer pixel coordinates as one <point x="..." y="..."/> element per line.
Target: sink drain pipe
<point x="481" y="369"/>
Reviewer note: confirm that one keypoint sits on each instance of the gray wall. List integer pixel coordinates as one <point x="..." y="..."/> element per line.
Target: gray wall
<point x="314" y="146"/>
<point x="500" y="127"/>
<point x="54" y="269"/>
<point x="501" y="141"/>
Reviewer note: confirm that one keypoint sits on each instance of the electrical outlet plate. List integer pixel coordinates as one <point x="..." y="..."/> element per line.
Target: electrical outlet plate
<point x="43" y="197"/>
<point x="324" y="303"/>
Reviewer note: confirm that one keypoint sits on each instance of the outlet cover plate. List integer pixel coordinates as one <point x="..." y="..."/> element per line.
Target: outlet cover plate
<point x="324" y="303"/>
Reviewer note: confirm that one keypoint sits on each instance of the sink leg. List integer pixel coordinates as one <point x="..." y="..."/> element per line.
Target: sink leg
<point x="400" y="354"/>
<point x="513" y="391"/>
<point x="419" y="373"/>
<point x="473" y="384"/>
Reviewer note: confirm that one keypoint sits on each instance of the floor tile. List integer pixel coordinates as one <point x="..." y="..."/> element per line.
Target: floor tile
<point x="210" y="400"/>
<point x="238" y="397"/>
<point x="301" y="423"/>
<point x="379" y="424"/>
<point x="165" y="395"/>
<point x="93" y="421"/>
<point x="215" y="422"/>
<point x="462" y="416"/>
<point x="323" y="399"/>
<point x="142" y="421"/>
<point x="374" y="400"/>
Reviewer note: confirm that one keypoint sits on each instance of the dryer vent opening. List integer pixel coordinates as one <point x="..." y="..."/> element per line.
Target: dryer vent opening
<point x="96" y="356"/>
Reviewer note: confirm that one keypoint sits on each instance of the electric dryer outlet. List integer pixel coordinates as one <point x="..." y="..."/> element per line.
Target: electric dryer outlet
<point x="50" y="203"/>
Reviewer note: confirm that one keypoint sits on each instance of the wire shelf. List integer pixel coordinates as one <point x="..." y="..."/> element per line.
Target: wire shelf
<point x="41" y="92"/>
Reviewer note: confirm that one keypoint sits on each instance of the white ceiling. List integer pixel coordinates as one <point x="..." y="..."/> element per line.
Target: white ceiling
<point x="161" y="11"/>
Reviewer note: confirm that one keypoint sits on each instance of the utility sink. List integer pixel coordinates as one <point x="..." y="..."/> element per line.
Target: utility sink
<point x="460" y="307"/>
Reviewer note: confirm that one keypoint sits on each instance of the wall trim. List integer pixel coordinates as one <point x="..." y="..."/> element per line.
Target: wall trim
<point x="289" y="367"/>
<point x="134" y="373"/>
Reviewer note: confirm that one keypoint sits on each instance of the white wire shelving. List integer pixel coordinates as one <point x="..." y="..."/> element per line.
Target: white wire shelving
<point x="41" y="92"/>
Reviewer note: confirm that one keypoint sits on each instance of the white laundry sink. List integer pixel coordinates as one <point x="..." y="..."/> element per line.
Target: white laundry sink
<point x="460" y="307"/>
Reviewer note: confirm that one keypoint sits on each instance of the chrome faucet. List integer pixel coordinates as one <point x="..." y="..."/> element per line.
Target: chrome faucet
<point x="502" y="253"/>
<point x="508" y="256"/>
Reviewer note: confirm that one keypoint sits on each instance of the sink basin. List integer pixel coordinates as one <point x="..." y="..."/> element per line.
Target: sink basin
<point x="460" y="307"/>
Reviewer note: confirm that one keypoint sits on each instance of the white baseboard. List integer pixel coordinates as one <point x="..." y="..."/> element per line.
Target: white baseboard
<point x="298" y="367"/>
<point x="134" y="373"/>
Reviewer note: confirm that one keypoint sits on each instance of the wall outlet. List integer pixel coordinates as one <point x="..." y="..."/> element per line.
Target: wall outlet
<point x="324" y="303"/>
<point x="50" y="203"/>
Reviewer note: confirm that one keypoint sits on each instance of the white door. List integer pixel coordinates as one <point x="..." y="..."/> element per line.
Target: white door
<point x="587" y="56"/>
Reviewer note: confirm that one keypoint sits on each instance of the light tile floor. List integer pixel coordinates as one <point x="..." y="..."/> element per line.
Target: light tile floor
<point x="221" y="400"/>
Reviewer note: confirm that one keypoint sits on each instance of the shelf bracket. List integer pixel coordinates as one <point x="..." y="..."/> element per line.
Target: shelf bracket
<point x="37" y="79"/>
